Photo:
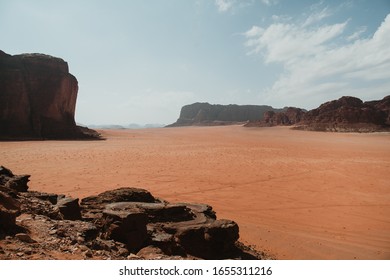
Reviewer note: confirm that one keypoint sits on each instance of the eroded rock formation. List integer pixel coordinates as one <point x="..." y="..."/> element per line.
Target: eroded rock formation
<point x="348" y="114"/>
<point x="125" y="223"/>
<point x="207" y="114"/>
<point x="289" y="116"/>
<point x="38" y="98"/>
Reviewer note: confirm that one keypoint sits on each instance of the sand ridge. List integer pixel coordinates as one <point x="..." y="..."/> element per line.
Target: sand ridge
<point x="295" y="194"/>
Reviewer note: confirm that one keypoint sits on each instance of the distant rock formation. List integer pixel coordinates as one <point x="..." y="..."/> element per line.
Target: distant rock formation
<point x="125" y="223"/>
<point x="207" y="114"/>
<point x="289" y="116"/>
<point x="38" y="98"/>
<point x="349" y="114"/>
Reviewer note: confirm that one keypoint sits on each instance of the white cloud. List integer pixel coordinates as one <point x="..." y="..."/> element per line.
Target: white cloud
<point x="357" y="34"/>
<point x="317" y="16"/>
<point x="288" y="42"/>
<point x="224" y="5"/>
<point x="269" y="2"/>
<point x="319" y="65"/>
<point x="233" y="5"/>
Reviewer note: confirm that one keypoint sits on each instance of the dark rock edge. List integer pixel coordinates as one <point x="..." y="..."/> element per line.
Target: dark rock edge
<point x="124" y="223"/>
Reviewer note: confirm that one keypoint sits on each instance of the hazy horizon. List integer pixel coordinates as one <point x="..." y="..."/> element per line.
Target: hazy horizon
<point x="141" y="61"/>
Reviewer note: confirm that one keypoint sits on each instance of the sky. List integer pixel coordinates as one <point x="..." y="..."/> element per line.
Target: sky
<point x="140" y="61"/>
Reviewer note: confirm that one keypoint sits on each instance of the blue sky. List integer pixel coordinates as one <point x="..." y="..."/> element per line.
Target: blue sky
<point x="140" y="61"/>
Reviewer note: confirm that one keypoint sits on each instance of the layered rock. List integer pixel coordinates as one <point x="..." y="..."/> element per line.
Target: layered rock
<point x="207" y="114"/>
<point x="125" y="223"/>
<point x="38" y="98"/>
<point x="348" y="114"/>
<point x="289" y="116"/>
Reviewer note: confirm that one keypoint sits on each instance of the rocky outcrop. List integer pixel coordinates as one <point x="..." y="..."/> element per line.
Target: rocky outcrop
<point x="125" y="223"/>
<point x="289" y="116"/>
<point x="207" y="114"/>
<point x="9" y="210"/>
<point x="38" y="98"/>
<point x="348" y="114"/>
<point x="382" y="105"/>
<point x="13" y="183"/>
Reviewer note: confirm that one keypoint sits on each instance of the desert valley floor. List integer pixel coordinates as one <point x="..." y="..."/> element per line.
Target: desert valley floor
<point x="294" y="194"/>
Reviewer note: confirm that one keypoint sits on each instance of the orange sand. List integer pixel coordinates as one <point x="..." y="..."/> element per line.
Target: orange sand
<point x="294" y="194"/>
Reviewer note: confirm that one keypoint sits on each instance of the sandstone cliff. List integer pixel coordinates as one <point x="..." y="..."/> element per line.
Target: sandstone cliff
<point x="349" y="114"/>
<point x="38" y="98"/>
<point x="289" y="116"/>
<point x="208" y="114"/>
<point x="346" y="114"/>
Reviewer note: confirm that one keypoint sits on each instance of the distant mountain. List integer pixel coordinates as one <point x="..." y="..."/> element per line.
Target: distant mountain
<point x="130" y="126"/>
<point x="288" y="116"/>
<point x="349" y="114"/>
<point x="106" y="126"/>
<point x="208" y="114"/>
<point x="346" y="114"/>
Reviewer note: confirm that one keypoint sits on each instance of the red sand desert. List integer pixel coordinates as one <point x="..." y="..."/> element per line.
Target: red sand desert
<point x="294" y="194"/>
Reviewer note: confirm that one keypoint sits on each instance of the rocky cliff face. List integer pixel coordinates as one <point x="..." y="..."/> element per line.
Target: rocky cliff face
<point x="349" y="114"/>
<point x="289" y="116"/>
<point x="208" y="114"/>
<point x="125" y="223"/>
<point x="37" y="98"/>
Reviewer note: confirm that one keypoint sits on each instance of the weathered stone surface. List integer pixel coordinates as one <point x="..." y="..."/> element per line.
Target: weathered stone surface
<point x="207" y="114"/>
<point x="348" y="114"/>
<point x="117" y="195"/>
<point x="126" y="227"/>
<point x="38" y="203"/>
<point x="5" y="171"/>
<point x="9" y="210"/>
<point x="382" y="105"/>
<point x="37" y="98"/>
<point x="116" y="224"/>
<point x="209" y="241"/>
<point x="156" y="212"/>
<point x="69" y="208"/>
<point x="17" y="183"/>
<point x="24" y="238"/>
<point x="288" y="116"/>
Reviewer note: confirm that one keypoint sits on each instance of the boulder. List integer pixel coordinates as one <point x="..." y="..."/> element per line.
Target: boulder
<point x="117" y="195"/>
<point x="69" y="208"/>
<point x="209" y="241"/>
<point x="16" y="183"/>
<point x="126" y="227"/>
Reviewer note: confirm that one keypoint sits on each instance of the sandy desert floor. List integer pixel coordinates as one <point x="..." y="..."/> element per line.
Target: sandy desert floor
<point x="294" y="194"/>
